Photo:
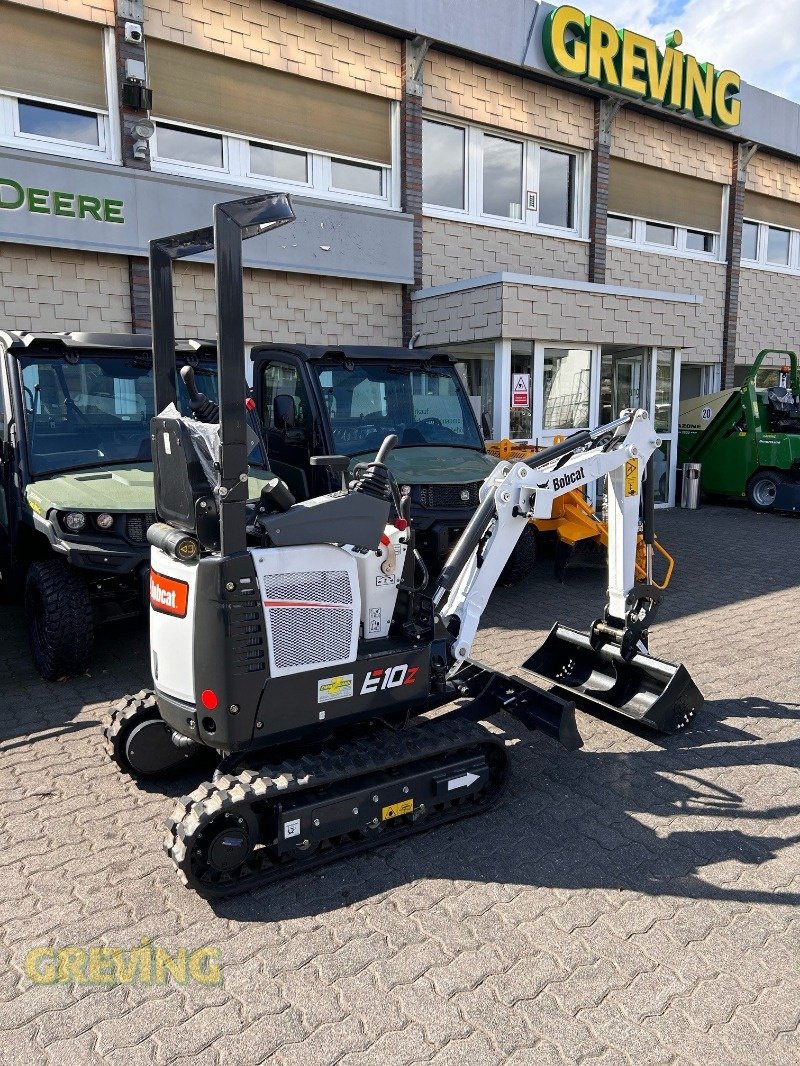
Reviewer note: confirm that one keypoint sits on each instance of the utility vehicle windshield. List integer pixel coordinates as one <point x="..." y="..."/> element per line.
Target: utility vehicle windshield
<point x="95" y="411"/>
<point x="422" y="404"/>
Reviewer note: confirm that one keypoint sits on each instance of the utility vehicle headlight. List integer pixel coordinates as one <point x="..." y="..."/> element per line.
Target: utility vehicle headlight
<point x="104" y="521"/>
<point x="75" y="521"/>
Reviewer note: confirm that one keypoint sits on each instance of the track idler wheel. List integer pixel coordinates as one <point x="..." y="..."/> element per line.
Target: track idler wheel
<point x="139" y="741"/>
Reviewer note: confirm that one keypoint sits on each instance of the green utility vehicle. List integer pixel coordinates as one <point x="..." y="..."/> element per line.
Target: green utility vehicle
<point x="748" y="438"/>
<point x="317" y="401"/>
<point x="76" y="482"/>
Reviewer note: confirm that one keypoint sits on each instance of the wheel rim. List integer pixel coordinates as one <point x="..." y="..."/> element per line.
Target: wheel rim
<point x="764" y="492"/>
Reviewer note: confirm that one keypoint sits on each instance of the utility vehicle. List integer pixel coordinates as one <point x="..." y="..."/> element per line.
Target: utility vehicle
<point x="76" y="482"/>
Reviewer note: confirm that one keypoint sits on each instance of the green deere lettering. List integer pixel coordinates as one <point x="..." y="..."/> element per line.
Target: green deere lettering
<point x="15" y="197"/>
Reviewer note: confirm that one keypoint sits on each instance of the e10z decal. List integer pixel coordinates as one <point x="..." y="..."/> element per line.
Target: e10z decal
<point x="392" y="677"/>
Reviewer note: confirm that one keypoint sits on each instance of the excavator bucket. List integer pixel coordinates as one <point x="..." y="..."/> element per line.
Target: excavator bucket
<point x="648" y="690"/>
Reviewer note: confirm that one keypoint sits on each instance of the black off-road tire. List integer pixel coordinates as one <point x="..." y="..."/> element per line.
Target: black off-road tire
<point x="520" y="564"/>
<point x="762" y="489"/>
<point x="58" y="617"/>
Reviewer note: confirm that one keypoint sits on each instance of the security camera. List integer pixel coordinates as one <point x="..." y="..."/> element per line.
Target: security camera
<point x="133" y="33"/>
<point x="140" y="149"/>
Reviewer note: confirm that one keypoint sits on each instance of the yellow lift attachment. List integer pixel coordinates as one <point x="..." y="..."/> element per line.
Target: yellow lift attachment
<point x="574" y="520"/>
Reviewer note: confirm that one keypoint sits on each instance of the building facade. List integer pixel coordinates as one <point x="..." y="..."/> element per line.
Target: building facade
<point x="584" y="231"/>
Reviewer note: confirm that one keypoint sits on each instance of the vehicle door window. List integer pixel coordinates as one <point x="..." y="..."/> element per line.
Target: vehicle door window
<point x="282" y="379"/>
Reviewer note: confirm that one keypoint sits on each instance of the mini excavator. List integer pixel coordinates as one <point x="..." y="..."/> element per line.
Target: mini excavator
<point x="301" y="643"/>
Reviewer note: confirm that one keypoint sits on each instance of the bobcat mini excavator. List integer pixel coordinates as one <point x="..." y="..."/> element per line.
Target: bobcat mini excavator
<point x="297" y="640"/>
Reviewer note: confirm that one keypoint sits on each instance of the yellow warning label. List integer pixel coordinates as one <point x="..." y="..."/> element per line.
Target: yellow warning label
<point x="404" y="807"/>
<point x="631" y="477"/>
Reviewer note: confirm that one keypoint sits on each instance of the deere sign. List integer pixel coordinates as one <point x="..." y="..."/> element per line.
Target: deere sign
<point x="581" y="46"/>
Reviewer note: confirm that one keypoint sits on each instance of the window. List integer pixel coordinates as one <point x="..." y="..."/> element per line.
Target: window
<point x="655" y="233"/>
<point x="356" y="177"/>
<point x="500" y="180"/>
<point x="180" y="149"/>
<point x="648" y="234"/>
<point x="778" y="246"/>
<point x="620" y="227"/>
<point x="420" y="404"/>
<point x="59" y="123"/>
<point x="567" y="373"/>
<point x="766" y="245"/>
<point x="280" y="163"/>
<point x="750" y="240"/>
<point x="556" y="181"/>
<point x="57" y="85"/>
<point x="697" y="241"/>
<point x="443" y="164"/>
<point x="502" y="177"/>
<point x="189" y="146"/>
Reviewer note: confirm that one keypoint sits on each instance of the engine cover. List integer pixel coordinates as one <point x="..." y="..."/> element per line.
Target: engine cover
<point x="312" y="606"/>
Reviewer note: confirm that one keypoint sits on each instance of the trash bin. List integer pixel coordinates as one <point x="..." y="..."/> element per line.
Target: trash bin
<point x="690" y="486"/>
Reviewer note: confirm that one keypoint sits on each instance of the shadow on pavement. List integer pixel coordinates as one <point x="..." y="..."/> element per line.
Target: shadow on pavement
<point x="606" y="820"/>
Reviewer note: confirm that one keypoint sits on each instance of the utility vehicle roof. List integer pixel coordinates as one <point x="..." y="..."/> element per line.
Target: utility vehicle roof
<point x="19" y="339"/>
<point x="352" y="352"/>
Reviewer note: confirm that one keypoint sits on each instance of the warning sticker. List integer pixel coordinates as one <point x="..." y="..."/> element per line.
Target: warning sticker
<point x="374" y="619"/>
<point x="291" y="829"/>
<point x="396" y="809"/>
<point x="631" y="477"/>
<point x="334" y="688"/>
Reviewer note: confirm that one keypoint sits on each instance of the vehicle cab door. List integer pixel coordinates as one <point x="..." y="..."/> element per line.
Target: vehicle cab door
<point x="283" y="397"/>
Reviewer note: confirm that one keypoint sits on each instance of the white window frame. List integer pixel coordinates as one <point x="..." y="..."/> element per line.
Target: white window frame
<point x="108" y="150"/>
<point x="473" y="183"/>
<point x="236" y="167"/>
<point x="760" y="262"/>
<point x="639" y="241"/>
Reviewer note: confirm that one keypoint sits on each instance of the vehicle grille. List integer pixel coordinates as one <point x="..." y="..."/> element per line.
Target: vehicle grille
<point x="450" y="496"/>
<point x="137" y="527"/>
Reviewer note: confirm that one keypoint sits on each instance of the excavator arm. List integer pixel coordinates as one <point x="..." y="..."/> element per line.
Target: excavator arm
<point x="513" y="494"/>
<point x="610" y="668"/>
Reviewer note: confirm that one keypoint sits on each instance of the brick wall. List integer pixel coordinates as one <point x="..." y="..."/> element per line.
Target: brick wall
<point x="772" y="176"/>
<point x="648" y="270"/>
<point x="769" y="312"/>
<point x="648" y="139"/>
<point x="293" y="307"/>
<point x="56" y="289"/>
<point x="101" y="11"/>
<point x="527" y="312"/>
<point x="281" y="37"/>
<point x="467" y="90"/>
<point x="453" y="251"/>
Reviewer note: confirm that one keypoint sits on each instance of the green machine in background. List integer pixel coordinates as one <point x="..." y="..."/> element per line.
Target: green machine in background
<point x="748" y="438"/>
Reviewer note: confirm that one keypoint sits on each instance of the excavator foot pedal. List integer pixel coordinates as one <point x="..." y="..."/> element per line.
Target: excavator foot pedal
<point x="643" y="688"/>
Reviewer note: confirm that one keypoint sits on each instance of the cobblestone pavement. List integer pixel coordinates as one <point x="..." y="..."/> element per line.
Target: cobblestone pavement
<point x="633" y="902"/>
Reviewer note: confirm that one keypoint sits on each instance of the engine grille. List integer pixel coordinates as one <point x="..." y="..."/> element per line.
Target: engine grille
<point x="450" y="496"/>
<point x="310" y="636"/>
<point x="137" y="526"/>
<point x="310" y="618"/>
<point x="318" y="586"/>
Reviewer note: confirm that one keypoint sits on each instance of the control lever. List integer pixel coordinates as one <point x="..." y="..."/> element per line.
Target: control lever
<point x="383" y="452"/>
<point x="204" y="410"/>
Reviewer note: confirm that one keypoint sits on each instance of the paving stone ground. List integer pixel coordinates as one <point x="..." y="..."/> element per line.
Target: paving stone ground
<point x="633" y="902"/>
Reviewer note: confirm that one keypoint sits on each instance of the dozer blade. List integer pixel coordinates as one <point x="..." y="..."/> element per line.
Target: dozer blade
<point x="490" y="693"/>
<point x="646" y="689"/>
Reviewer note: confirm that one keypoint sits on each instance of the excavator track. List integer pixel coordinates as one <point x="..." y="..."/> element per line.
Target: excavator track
<point x="249" y="830"/>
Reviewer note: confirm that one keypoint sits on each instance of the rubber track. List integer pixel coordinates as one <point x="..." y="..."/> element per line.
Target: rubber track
<point x="383" y="749"/>
<point x="121" y="713"/>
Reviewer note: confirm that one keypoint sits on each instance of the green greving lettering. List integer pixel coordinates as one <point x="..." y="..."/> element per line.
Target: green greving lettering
<point x="81" y="206"/>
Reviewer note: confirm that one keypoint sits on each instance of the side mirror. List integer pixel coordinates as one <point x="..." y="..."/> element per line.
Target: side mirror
<point x="283" y="413"/>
